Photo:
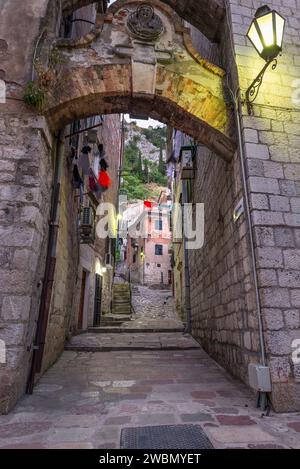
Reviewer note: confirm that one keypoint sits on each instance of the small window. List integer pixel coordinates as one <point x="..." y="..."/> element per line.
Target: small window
<point x="158" y="225"/>
<point x="158" y="250"/>
<point x="158" y="266"/>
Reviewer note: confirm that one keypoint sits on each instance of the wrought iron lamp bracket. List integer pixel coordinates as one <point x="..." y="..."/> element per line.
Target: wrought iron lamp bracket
<point x="252" y="91"/>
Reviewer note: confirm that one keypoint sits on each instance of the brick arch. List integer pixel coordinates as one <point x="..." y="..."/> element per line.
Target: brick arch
<point x="108" y="71"/>
<point x="206" y="15"/>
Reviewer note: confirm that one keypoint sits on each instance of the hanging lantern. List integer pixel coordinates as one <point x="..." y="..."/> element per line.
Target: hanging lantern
<point x="266" y="33"/>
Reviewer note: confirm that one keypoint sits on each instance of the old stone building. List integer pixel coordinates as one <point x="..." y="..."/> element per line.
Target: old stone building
<point x="189" y="81"/>
<point x="148" y="258"/>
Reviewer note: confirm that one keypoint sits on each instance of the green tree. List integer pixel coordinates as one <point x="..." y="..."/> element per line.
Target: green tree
<point x="161" y="164"/>
<point x="146" y="171"/>
<point x="140" y="166"/>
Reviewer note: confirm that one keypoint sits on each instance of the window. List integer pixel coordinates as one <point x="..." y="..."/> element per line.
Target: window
<point x="159" y="225"/>
<point x="158" y="250"/>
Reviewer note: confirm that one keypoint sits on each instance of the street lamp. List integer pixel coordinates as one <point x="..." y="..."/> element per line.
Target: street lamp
<point x="266" y="34"/>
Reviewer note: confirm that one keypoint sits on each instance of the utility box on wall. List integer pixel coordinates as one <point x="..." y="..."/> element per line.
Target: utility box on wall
<point x="259" y="377"/>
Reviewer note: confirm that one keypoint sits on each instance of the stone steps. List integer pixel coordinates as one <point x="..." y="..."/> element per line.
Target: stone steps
<point x="114" y="329"/>
<point x="121" y="304"/>
<point x="91" y="342"/>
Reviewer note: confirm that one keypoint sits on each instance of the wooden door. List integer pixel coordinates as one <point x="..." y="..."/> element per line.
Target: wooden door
<point x="82" y="296"/>
<point x="98" y="300"/>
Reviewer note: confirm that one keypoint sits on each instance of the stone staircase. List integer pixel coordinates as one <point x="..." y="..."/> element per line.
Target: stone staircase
<point x="121" y="299"/>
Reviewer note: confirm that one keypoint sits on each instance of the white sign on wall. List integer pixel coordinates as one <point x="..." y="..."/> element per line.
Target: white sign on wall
<point x="2" y="92"/>
<point x="2" y="352"/>
<point x="239" y="210"/>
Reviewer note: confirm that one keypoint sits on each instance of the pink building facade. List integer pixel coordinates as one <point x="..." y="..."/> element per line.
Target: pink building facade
<point x="148" y="256"/>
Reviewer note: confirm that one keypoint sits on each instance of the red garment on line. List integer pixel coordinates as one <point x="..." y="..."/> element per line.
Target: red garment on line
<point x="104" y="179"/>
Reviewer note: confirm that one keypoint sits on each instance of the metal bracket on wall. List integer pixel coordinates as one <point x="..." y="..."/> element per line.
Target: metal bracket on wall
<point x="252" y="91"/>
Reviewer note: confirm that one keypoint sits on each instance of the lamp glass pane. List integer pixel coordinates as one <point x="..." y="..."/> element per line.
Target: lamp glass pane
<point x="265" y="24"/>
<point x="254" y="37"/>
<point x="279" y="29"/>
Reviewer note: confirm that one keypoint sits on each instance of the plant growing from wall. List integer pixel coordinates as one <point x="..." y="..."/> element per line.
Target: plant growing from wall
<point x="47" y="77"/>
<point x="34" y="95"/>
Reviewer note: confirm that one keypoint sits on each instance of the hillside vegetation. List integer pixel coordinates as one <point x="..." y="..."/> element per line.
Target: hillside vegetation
<point x="144" y="169"/>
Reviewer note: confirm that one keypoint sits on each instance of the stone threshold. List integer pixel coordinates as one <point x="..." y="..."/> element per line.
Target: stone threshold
<point x="122" y="330"/>
<point x="126" y="348"/>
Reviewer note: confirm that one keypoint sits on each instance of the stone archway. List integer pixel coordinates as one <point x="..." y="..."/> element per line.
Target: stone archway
<point x="146" y="66"/>
<point x="206" y="15"/>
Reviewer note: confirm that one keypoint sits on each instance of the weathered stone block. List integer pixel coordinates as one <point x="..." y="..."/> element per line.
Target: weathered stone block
<point x="267" y="218"/>
<point x="15" y="308"/>
<point x="275" y="297"/>
<point x="258" y="151"/>
<point x="269" y="257"/>
<point x="295" y="298"/>
<point x="267" y="277"/>
<point x="273" y="319"/>
<point x="264" y="185"/>
<point x="295" y="204"/>
<point x="13" y="334"/>
<point x="264" y="236"/>
<point x="273" y="170"/>
<point x="289" y="279"/>
<point x="284" y="237"/>
<point x="280" y="342"/>
<point x="292" y="259"/>
<point x="279" y="203"/>
<point x="259" y="201"/>
<point x="292" y="318"/>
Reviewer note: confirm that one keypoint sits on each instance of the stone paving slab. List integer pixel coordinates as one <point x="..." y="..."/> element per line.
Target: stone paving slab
<point x="95" y="342"/>
<point x="86" y="399"/>
<point x="154" y="309"/>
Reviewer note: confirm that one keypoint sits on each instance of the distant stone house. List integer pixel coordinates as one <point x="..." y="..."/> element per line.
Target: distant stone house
<point x="148" y="257"/>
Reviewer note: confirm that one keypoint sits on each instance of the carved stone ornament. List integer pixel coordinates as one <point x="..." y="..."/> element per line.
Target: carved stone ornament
<point x="144" y="24"/>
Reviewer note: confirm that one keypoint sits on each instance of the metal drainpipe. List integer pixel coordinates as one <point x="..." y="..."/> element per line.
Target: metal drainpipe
<point x="237" y="107"/>
<point x="262" y="396"/>
<point x="187" y="279"/>
<point x="41" y="330"/>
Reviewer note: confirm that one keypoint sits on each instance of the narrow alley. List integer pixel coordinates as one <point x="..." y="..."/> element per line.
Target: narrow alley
<point x="149" y="226"/>
<point x="148" y="379"/>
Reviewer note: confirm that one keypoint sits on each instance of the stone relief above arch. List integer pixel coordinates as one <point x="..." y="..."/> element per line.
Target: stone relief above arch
<point x="141" y="58"/>
<point x="206" y="15"/>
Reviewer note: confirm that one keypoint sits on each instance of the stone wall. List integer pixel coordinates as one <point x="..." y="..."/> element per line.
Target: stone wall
<point x="272" y="145"/>
<point x="223" y="300"/>
<point x="222" y="297"/>
<point x="67" y="259"/>
<point x="26" y="176"/>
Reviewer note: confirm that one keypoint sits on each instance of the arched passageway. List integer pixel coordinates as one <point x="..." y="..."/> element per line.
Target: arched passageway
<point x="180" y="88"/>
<point x="146" y="66"/>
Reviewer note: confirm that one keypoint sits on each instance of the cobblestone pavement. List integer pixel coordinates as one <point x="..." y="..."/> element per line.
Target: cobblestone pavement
<point x="153" y="309"/>
<point x="99" y="342"/>
<point x="86" y="398"/>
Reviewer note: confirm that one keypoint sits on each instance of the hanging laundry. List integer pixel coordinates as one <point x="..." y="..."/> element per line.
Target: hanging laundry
<point x="101" y="150"/>
<point x="84" y="161"/>
<point x="92" y="183"/>
<point x="103" y="164"/>
<point x="104" y="179"/>
<point x="99" y="190"/>
<point x="86" y="150"/>
<point x="77" y="181"/>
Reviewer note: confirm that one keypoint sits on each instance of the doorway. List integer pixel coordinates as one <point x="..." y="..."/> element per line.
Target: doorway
<point x="98" y="300"/>
<point x="82" y="298"/>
